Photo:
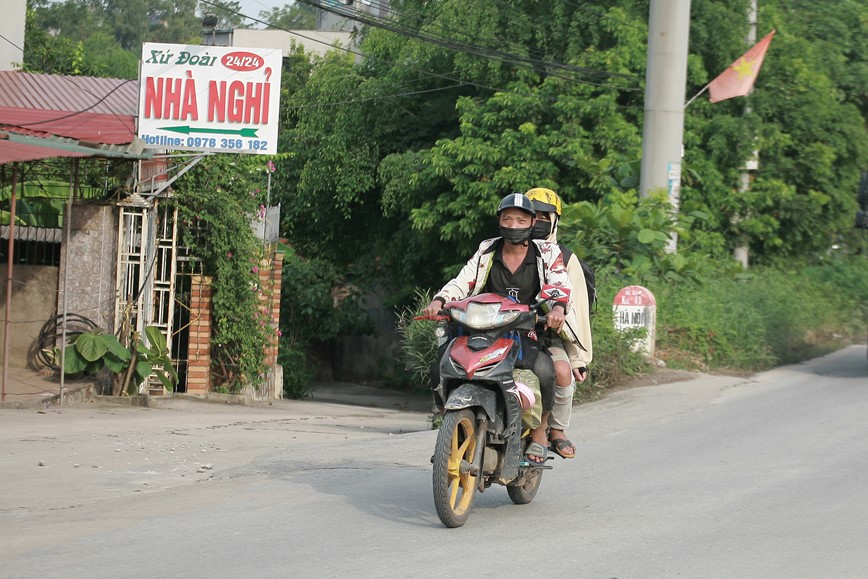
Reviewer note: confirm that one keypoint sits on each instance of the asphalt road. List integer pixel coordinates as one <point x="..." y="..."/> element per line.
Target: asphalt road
<point x="714" y="477"/>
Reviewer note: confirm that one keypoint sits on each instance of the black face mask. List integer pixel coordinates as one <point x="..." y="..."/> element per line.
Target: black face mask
<point x="515" y="235"/>
<point x="541" y="229"/>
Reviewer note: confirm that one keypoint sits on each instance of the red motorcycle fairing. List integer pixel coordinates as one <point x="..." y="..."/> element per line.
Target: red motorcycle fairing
<point x="506" y="304"/>
<point x="472" y="361"/>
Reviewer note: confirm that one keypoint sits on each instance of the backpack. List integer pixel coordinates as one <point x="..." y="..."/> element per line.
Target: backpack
<point x="590" y="280"/>
<point x="588" y="272"/>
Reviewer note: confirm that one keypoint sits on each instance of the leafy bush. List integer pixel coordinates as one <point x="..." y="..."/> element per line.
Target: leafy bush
<point x="297" y="373"/>
<point x="216" y="203"/>
<point x="630" y="235"/>
<point x="95" y="350"/>
<point x="418" y="342"/>
<point x="762" y="318"/>
<point x="316" y="306"/>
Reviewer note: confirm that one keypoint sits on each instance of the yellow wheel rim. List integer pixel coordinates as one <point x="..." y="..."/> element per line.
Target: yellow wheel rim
<point x="461" y="484"/>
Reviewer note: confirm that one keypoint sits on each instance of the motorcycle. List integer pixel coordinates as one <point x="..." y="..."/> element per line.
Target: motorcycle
<point x="481" y="440"/>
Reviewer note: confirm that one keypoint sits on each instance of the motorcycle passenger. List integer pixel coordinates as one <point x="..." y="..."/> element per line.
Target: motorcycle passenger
<point x="516" y="266"/>
<point x="571" y="354"/>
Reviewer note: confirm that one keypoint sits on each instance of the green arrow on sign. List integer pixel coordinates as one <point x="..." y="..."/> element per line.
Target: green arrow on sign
<point x="186" y="130"/>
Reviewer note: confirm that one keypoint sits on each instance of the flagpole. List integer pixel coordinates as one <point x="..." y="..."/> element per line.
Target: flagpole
<point x="693" y="98"/>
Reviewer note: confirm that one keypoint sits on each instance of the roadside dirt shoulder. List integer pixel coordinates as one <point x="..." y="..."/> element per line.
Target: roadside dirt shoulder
<point x="65" y="457"/>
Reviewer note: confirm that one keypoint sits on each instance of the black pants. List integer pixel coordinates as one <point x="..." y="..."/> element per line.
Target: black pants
<point x="544" y="368"/>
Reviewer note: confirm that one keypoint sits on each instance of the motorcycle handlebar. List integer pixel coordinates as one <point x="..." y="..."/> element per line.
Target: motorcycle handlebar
<point x="442" y="315"/>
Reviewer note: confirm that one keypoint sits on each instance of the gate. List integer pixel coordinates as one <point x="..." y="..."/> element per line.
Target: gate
<point x="154" y="279"/>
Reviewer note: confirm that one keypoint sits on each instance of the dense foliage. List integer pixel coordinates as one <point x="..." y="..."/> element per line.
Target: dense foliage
<point x="764" y="318"/>
<point x="460" y="103"/>
<point x="395" y="153"/>
<point x="217" y="202"/>
<point x="316" y="306"/>
<point x="103" y="37"/>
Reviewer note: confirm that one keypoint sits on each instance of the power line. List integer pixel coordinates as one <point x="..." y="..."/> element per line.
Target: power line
<point x="506" y="58"/>
<point x="12" y="43"/>
<point x="361" y="100"/>
<point x="361" y="55"/>
<point x="493" y="54"/>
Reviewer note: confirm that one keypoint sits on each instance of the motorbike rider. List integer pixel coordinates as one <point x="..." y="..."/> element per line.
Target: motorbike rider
<point x="572" y="354"/>
<point x="516" y="266"/>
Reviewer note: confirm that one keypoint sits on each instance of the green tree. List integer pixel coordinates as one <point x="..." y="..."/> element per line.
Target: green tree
<point x="811" y="147"/>
<point x="136" y="21"/>
<point x="103" y="37"/>
<point x="217" y="203"/>
<point x="66" y="39"/>
<point x="296" y="16"/>
<point x="228" y="13"/>
<point x="460" y="103"/>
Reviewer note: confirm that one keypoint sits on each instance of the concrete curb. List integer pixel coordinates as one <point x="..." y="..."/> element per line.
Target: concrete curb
<point x="72" y="395"/>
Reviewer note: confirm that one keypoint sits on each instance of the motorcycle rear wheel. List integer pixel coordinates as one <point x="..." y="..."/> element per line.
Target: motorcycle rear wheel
<point x="524" y="490"/>
<point x="454" y="485"/>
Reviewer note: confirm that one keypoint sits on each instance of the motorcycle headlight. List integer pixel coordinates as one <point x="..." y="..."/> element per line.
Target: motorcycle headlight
<point x="483" y="316"/>
<point x="441" y="335"/>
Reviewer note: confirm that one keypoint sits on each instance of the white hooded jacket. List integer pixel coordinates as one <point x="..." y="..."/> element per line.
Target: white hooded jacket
<point x="551" y="269"/>
<point x="580" y="351"/>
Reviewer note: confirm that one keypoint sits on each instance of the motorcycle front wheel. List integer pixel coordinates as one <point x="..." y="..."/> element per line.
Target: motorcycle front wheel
<point x="454" y="483"/>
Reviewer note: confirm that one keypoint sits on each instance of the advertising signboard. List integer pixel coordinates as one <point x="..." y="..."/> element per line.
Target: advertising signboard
<point x="209" y="98"/>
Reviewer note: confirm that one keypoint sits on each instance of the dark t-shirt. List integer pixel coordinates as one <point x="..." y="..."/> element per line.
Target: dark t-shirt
<point x="523" y="285"/>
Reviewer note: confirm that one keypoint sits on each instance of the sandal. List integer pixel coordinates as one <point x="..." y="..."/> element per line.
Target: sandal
<point x="560" y="445"/>
<point x="536" y="450"/>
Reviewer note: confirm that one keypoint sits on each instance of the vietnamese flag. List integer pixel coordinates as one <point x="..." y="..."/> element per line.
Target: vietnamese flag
<point x="738" y="79"/>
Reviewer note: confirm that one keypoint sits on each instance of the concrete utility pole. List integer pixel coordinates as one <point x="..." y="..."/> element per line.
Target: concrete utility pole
<point x="665" y="86"/>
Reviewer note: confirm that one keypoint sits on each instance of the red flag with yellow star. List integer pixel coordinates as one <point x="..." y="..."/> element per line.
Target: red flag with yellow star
<point x="738" y="78"/>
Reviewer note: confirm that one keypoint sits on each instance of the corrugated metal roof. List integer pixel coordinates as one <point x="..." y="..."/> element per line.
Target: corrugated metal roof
<point x="55" y="111"/>
<point x="54" y="92"/>
<point x="26" y="233"/>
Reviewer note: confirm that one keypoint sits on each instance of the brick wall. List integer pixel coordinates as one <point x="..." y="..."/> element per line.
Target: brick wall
<point x="199" y="348"/>
<point x="270" y="276"/>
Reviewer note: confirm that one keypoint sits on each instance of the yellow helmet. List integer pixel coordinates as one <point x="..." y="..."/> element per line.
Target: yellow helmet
<point x="545" y="200"/>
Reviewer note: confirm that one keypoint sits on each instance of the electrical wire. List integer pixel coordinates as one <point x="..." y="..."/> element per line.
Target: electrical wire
<point x="492" y="54"/>
<point x="507" y="58"/>
<point x="362" y="100"/>
<point x="502" y="6"/>
<point x="361" y="55"/>
<point x="12" y="43"/>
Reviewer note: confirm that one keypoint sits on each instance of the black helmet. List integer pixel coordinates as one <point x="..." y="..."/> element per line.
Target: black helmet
<point x="516" y="201"/>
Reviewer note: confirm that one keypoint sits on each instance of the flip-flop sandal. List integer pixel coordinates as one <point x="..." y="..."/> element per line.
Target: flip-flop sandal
<point x="535" y="449"/>
<point x="559" y="444"/>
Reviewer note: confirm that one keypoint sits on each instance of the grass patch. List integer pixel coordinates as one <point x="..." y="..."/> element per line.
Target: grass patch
<point x="764" y="318"/>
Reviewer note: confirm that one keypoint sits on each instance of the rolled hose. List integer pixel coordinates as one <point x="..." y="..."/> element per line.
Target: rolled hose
<point x="52" y="333"/>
